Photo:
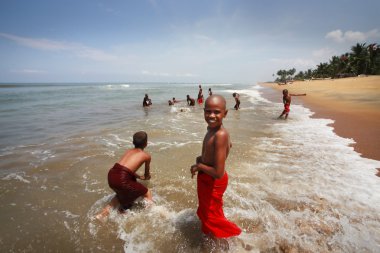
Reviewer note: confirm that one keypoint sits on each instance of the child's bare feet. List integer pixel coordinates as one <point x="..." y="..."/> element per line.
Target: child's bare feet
<point x="148" y="203"/>
<point x="102" y="216"/>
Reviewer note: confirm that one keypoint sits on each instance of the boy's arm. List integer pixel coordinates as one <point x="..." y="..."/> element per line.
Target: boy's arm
<point x="304" y="94"/>
<point x="147" y="169"/>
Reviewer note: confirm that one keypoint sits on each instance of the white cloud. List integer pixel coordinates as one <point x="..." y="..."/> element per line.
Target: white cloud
<point x="323" y="53"/>
<point x="149" y="73"/>
<point x="297" y="63"/>
<point x="29" y="71"/>
<point x="352" y="36"/>
<point x="51" y="45"/>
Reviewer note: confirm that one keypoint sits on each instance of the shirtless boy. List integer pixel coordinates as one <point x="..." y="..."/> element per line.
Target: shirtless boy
<point x="147" y="101"/>
<point x="287" y="99"/>
<point x="122" y="176"/>
<point x="212" y="179"/>
<point x="190" y="101"/>
<point x="200" y="95"/>
<point x="237" y="100"/>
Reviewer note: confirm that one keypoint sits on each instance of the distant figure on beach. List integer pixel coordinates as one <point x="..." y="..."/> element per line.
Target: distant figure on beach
<point x="170" y="102"/>
<point x="200" y="95"/>
<point x="237" y="100"/>
<point x="175" y="101"/>
<point x="212" y="179"/>
<point x="287" y="99"/>
<point x="190" y="101"/>
<point x="209" y="92"/>
<point x="147" y="101"/>
<point x="122" y="176"/>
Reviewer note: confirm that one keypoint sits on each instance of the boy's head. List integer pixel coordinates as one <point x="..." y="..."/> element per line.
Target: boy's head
<point x="285" y="92"/>
<point x="187" y="96"/>
<point x="215" y="110"/>
<point x="234" y="94"/>
<point x="140" y="139"/>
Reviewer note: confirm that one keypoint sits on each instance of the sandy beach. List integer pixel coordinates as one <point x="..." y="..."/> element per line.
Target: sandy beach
<point x="353" y="104"/>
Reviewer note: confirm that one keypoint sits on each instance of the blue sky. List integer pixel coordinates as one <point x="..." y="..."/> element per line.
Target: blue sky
<point x="176" y="41"/>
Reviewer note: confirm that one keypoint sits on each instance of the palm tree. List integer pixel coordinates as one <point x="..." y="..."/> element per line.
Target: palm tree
<point x="359" y="58"/>
<point x="374" y="59"/>
<point x="282" y="74"/>
<point x="322" y="70"/>
<point x="335" y="66"/>
<point x="290" y="73"/>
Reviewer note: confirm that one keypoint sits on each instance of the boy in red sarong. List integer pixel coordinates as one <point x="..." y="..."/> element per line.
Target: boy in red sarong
<point x="212" y="179"/>
<point x="200" y="95"/>
<point x="287" y="99"/>
<point x="122" y="176"/>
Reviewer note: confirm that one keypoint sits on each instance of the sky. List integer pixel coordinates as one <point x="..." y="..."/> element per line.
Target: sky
<point x="213" y="41"/>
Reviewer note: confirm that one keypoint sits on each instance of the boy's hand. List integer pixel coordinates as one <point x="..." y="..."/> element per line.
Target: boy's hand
<point x="145" y="177"/>
<point x="193" y="170"/>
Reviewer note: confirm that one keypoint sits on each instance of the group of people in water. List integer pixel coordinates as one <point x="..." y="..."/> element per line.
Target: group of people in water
<point x="209" y="168"/>
<point x="191" y="101"/>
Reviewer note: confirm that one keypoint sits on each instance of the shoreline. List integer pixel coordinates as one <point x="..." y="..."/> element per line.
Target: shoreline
<point x="353" y="104"/>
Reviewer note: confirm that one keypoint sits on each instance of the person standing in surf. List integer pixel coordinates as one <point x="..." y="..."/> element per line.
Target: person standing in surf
<point x="147" y="101"/>
<point x="200" y="95"/>
<point x="237" y="100"/>
<point x="287" y="99"/>
<point x="212" y="178"/>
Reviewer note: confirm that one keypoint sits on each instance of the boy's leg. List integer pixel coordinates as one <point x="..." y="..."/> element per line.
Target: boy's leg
<point x="106" y="210"/>
<point x="148" y="195"/>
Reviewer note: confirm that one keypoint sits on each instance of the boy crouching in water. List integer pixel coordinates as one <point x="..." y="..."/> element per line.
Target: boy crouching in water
<point x="122" y="176"/>
<point x="212" y="179"/>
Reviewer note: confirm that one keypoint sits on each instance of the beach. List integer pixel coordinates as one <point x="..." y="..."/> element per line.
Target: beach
<point x="353" y="103"/>
<point x="294" y="185"/>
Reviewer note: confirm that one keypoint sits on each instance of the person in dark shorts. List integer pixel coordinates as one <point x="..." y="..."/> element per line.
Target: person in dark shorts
<point x="147" y="101"/>
<point x="237" y="100"/>
<point x="190" y="101"/>
<point x="122" y="176"/>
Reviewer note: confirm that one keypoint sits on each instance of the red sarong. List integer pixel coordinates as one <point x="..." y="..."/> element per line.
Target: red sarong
<point x="287" y="108"/>
<point x="123" y="181"/>
<point x="210" y="209"/>
<point x="200" y="100"/>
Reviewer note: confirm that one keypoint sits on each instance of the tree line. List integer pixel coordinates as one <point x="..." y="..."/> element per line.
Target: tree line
<point x="362" y="60"/>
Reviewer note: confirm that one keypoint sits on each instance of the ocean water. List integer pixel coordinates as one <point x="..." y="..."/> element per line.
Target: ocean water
<point x="295" y="186"/>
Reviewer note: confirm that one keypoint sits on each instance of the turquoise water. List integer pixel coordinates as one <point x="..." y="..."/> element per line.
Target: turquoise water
<point x="293" y="184"/>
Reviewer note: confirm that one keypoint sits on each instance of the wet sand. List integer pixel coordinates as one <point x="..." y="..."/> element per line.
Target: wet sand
<point x="353" y="104"/>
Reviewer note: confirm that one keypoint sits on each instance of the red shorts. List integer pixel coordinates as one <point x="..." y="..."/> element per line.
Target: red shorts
<point x="287" y="108"/>
<point x="123" y="181"/>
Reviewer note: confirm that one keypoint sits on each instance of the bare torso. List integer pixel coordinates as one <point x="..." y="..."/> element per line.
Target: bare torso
<point x="287" y="99"/>
<point x="208" y="147"/>
<point x="134" y="158"/>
